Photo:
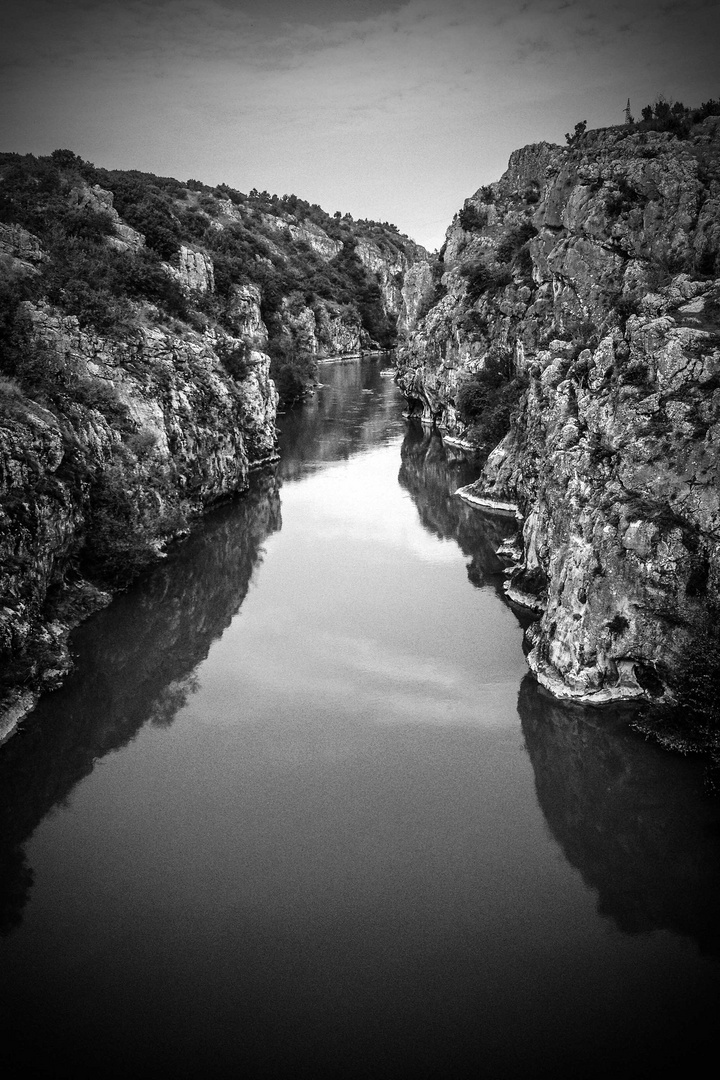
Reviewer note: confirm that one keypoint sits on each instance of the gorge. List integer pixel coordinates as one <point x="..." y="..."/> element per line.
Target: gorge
<point x="300" y="809"/>
<point x="568" y="330"/>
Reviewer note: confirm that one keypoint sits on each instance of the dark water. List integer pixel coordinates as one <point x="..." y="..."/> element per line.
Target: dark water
<point x="300" y="811"/>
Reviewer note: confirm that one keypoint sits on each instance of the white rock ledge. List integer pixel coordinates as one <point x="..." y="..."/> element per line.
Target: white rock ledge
<point x="495" y="505"/>
<point x="552" y="681"/>
<point x="461" y="444"/>
<point x="526" y="600"/>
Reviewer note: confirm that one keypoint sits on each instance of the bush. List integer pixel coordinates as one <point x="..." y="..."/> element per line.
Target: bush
<point x="514" y="241"/>
<point x="487" y="400"/>
<point x="235" y="358"/>
<point x="482" y="276"/>
<point x="471" y="219"/>
<point x="580" y="129"/>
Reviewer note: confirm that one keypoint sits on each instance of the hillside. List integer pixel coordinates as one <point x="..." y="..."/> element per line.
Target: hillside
<point x="571" y="329"/>
<point x="146" y="328"/>
<point x="327" y="284"/>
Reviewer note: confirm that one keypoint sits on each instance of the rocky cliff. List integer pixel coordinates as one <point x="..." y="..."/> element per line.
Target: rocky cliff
<point x="144" y="325"/>
<point x="108" y="449"/>
<point x="574" y="321"/>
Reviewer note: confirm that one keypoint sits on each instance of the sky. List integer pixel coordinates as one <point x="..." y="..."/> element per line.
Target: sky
<point x="396" y="111"/>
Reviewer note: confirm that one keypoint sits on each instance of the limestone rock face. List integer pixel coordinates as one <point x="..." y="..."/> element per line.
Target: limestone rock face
<point x="418" y="287"/>
<point x="244" y="311"/>
<point x="308" y="232"/>
<point x="592" y="271"/>
<point x="156" y="429"/>
<point x="20" y="244"/>
<point x="390" y="264"/>
<point x="194" y="271"/>
<point x="101" y="201"/>
<point x="323" y="331"/>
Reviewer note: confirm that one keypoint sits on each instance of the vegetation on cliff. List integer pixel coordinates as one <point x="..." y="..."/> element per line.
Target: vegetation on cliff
<point x="577" y="339"/>
<point x="298" y="255"/>
<point x="146" y="325"/>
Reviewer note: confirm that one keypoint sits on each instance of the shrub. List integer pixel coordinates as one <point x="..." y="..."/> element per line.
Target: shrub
<point x="235" y="358"/>
<point x="514" y="241"/>
<point x="482" y="276"/>
<point x="471" y="219"/>
<point x="617" y="625"/>
<point x="578" y="133"/>
<point x="431" y="298"/>
<point x="487" y="400"/>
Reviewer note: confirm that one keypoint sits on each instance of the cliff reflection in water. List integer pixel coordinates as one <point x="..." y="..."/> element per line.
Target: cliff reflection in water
<point x="136" y="666"/>
<point x="357" y="408"/>
<point x="431" y="473"/>
<point x="630" y="817"/>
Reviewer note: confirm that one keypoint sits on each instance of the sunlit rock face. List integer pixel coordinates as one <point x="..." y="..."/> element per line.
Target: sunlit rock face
<point x="19" y="247"/>
<point x="390" y="265"/>
<point x="324" y="330"/>
<point x="194" y="271"/>
<point x="154" y="429"/>
<point x="592" y="271"/>
<point x="417" y="288"/>
<point x="96" y="199"/>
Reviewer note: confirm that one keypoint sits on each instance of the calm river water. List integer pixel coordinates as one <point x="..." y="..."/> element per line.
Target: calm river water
<point x="301" y="812"/>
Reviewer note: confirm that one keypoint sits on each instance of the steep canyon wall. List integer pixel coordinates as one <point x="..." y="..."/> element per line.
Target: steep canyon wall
<point x="575" y="318"/>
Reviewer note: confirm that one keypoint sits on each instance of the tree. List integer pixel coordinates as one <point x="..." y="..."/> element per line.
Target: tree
<point x="580" y="129"/>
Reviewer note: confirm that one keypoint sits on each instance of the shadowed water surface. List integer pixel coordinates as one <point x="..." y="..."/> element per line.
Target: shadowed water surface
<point x="300" y="810"/>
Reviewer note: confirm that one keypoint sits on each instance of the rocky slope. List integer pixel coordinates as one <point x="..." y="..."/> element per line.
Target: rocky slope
<point x="144" y="325"/>
<point x="577" y="304"/>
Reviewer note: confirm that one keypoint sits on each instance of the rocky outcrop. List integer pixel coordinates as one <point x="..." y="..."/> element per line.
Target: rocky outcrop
<point x="589" y="274"/>
<point x="391" y="263"/>
<point x="100" y="201"/>
<point x="417" y="289"/>
<point x="139" y="435"/>
<point x="194" y="271"/>
<point x="325" y="330"/>
<point x="20" y="246"/>
<point x="307" y="232"/>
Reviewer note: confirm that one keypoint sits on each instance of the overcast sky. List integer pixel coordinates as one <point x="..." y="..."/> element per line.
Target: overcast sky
<point x="393" y="111"/>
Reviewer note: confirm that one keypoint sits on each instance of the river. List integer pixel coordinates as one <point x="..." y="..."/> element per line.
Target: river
<point x="301" y="811"/>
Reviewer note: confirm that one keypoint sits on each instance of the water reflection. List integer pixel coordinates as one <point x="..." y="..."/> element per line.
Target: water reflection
<point x="629" y="816"/>
<point x="355" y="408"/>
<point x="135" y="665"/>
<point x="432" y="472"/>
<point x="336" y="855"/>
<point x="632" y="818"/>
